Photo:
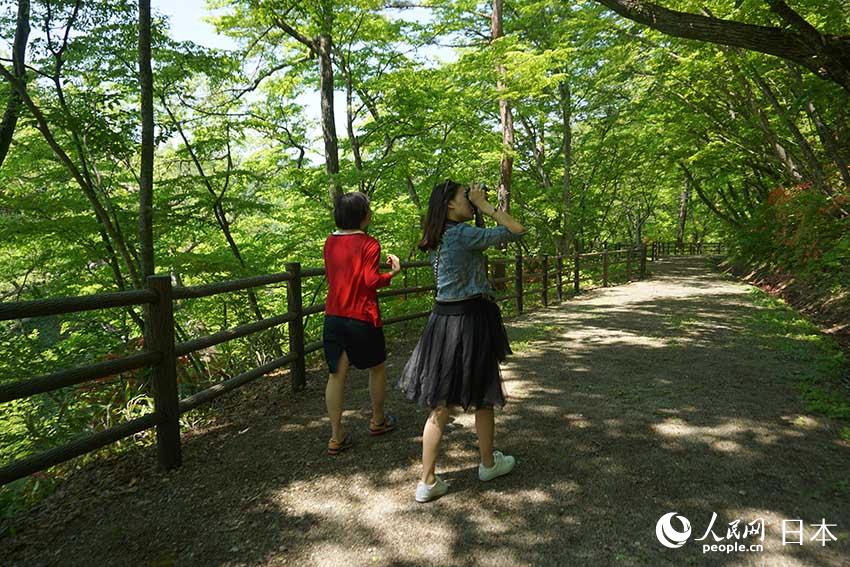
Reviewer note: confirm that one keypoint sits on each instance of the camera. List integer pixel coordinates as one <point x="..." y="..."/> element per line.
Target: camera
<point x="479" y="216"/>
<point x="482" y="186"/>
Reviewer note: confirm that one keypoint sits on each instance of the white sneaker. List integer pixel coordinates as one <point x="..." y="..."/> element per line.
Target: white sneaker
<point x="502" y="465"/>
<point x="426" y="493"/>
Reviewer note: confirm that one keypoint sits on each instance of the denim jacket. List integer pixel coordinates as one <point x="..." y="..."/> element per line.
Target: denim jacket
<point x="459" y="261"/>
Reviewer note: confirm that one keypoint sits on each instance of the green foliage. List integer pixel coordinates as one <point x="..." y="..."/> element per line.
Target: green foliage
<point x="802" y="232"/>
<point x="241" y="188"/>
<point x="822" y="385"/>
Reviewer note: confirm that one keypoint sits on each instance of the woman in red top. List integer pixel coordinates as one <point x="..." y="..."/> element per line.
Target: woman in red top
<point x="353" y="333"/>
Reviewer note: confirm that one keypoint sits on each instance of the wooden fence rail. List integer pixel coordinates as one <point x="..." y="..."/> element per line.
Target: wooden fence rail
<point x="162" y="352"/>
<point x="665" y="249"/>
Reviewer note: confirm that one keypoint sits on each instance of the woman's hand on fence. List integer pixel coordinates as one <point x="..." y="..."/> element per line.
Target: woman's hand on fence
<point x="395" y="263"/>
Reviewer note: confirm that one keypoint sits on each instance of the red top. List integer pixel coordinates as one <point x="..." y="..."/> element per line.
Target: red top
<point x="352" y="264"/>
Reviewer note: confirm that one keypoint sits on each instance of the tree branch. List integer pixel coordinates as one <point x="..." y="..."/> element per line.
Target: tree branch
<point x="830" y="60"/>
<point x="296" y="35"/>
<point x="13" y="105"/>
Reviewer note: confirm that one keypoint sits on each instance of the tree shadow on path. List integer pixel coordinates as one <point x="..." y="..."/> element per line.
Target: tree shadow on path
<point x="637" y="400"/>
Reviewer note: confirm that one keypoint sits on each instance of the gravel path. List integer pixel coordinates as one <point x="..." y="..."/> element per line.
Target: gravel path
<point x="643" y="399"/>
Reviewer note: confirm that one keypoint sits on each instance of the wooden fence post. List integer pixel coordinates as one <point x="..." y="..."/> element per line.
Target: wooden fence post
<point x="559" y="266"/>
<point x="629" y="264"/>
<point x="642" y="260"/>
<point x="160" y="338"/>
<point x="605" y="266"/>
<point x="518" y="282"/>
<point x="545" y="280"/>
<point x="296" y="326"/>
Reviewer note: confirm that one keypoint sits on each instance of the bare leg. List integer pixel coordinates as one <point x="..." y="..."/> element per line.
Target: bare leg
<point x="378" y="391"/>
<point x="485" y="425"/>
<point x="431" y="436"/>
<point x="334" y="397"/>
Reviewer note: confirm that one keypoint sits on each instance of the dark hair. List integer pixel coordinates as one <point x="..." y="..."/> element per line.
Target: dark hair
<point x="438" y="210"/>
<point x="350" y="210"/>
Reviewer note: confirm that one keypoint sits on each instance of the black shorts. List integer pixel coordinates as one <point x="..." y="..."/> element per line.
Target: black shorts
<point x="364" y="343"/>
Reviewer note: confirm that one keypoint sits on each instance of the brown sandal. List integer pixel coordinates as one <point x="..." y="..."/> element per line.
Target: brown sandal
<point x="385" y="427"/>
<point x="336" y="447"/>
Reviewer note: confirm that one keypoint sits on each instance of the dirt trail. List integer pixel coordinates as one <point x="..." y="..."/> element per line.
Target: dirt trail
<point x="643" y="399"/>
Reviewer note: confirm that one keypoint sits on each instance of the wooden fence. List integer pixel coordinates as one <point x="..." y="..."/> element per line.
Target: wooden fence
<point x="531" y="275"/>
<point x="664" y="249"/>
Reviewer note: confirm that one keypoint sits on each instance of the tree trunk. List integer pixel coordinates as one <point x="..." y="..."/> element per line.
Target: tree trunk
<point x="102" y="216"/>
<point x="349" y="121"/>
<point x="684" y="202"/>
<point x="414" y="197"/>
<point x="692" y="182"/>
<point x="323" y="48"/>
<point x="825" y="134"/>
<point x="814" y="167"/>
<point x="326" y="87"/>
<point x="773" y="141"/>
<point x="506" y="116"/>
<point x="146" y="169"/>
<point x="369" y="102"/>
<point x="538" y="149"/>
<point x="829" y="142"/>
<point x="13" y="105"/>
<point x="221" y="216"/>
<point x="567" y="152"/>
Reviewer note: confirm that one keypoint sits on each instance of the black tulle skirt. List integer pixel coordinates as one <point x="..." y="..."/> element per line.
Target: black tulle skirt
<point x="456" y="362"/>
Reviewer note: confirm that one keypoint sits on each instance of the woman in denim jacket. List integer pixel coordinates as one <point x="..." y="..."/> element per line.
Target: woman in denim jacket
<point x="456" y="362"/>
